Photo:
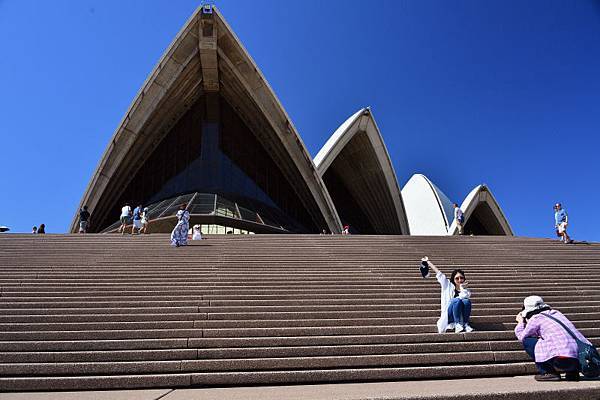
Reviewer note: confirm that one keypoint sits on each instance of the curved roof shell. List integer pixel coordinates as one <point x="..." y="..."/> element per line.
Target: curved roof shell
<point x="428" y="209"/>
<point x="483" y="214"/>
<point x="358" y="173"/>
<point x="205" y="60"/>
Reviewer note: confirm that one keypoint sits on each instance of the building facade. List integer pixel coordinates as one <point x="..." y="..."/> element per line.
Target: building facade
<point x="207" y="130"/>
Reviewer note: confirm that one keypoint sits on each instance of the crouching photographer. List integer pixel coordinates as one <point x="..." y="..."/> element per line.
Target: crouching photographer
<point x="553" y="342"/>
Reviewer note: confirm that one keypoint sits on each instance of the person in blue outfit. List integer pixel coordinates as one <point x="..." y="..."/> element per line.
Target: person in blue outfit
<point x="561" y="220"/>
<point x="137" y="220"/>
<point x="459" y="217"/>
<point x="179" y="236"/>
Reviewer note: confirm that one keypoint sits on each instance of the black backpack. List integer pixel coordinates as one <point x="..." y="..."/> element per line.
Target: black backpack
<point x="589" y="359"/>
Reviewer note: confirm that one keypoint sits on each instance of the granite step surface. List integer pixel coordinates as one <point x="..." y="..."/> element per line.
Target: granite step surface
<point x="91" y="312"/>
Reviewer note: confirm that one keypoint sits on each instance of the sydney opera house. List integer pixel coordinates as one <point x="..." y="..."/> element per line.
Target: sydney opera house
<point x="207" y="130"/>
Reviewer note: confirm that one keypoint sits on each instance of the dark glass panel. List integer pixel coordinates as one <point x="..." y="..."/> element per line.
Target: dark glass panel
<point x="226" y="208"/>
<point x="249" y="215"/>
<point x="359" y="189"/>
<point x="176" y="204"/>
<point x="177" y="149"/>
<point x="204" y="203"/>
<point x="247" y="154"/>
<point x="156" y="209"/>
<point x="224" y="158"/>
<point x="114" y="226"/>
<point x="346" y="205"/>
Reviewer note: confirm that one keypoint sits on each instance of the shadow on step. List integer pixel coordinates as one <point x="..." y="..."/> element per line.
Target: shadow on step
<point x="490" y="326"/>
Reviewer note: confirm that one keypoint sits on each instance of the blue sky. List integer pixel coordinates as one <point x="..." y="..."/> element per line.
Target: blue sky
<point x="505" y="93"/>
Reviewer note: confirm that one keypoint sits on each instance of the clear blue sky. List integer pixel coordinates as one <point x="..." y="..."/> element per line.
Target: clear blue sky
<point x="505" y="93"/>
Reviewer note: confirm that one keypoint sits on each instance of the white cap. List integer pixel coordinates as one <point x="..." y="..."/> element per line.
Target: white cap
<point x="532" y="303"/>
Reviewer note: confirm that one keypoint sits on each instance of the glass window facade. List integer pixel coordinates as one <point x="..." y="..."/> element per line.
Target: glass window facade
<point x="222" y="159"/>
<point x="211" y="205"/>
<point x="214" y="229"/>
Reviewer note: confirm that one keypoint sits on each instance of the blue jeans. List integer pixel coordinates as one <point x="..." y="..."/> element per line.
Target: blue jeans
<point x="554" y="365"/>
<point x="459" y="311"/>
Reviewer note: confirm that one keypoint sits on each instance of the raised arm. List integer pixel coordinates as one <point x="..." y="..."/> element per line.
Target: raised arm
<point x="431" y="265"/>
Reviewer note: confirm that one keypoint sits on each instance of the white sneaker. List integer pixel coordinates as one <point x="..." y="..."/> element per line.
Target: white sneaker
<point x="458" y="328"/>
<point x="468" y="328"/>
<point x="450" y="326"/>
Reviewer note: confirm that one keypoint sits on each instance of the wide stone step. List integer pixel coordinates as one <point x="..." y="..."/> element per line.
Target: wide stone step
<point x="257" y="364"/>
<point x="192" y="320"/>
<point x="234" y="332"/>
<point x="260" y="377"/>
<point x="498" y="347"/>
<point x="155" y="301"/>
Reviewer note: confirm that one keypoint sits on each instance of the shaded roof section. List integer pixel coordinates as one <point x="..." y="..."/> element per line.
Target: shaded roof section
<point x="205" y="60"/>
<point x="483" y="215"/>
<point x="356" y="168"/>
<point x="428" y="209"/>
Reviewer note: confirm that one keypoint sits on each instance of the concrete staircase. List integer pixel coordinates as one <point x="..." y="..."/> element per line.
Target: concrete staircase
<point x="106" y="311"/>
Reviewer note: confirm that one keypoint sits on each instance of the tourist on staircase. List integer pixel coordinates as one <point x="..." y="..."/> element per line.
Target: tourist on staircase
<point x="455" y="300"/>
<point x="547" y="342"/>
<point x="137" y="220"/>
<point x="145" y="220"/>
<point x="459" y="217"/>
<point x="84" y="219"/>
<point x="561" y="220"/>
<point x="179" y="236"/>
<point x="197" y="232"/>
<point x="125" y="216"/>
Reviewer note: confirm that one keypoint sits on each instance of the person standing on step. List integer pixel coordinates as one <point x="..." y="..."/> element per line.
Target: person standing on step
<point x="561" y="220"/>
<point x="137" y="220"/>
<point x="459" y="218"/>
<point x="455" y="300"/>
<point x="548" y="344"/>
<point x="179" y="236"/>
<point x="34" y="230"/>
<point x="145" y="220"/>
<point x="197" y="232"/>
<point x="42" y="229"/>
<point x="84" y="219"/>
<point x="125" y="215"/>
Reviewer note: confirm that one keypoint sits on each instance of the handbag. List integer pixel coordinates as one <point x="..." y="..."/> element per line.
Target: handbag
<point x="589" y="359"/>
<point x="424" y="268"/>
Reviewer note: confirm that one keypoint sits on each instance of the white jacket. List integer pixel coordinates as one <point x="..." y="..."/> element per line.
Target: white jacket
<point x="446" y="296"/>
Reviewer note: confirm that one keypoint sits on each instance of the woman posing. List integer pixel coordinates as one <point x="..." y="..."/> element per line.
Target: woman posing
<point x="179" y="236"/>
<point x="455" y="300"/>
